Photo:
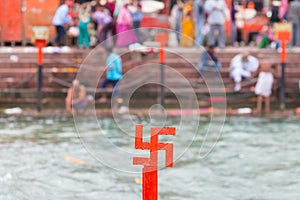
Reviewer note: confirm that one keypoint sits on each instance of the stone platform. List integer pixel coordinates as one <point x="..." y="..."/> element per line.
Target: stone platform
<point x="18" y="75"/>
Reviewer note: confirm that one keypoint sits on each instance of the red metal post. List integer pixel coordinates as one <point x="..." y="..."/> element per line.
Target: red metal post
<point x="150" y="174"/>
<point x="40" y="43"/>
<point x="283" y="36"/>
<point x="283" y="52"/>
<point x="161" y="54"/>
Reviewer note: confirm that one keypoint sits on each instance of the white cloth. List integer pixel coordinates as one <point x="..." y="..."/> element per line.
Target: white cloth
<point x="264" y="84"/>
<point x="240" y="68"/>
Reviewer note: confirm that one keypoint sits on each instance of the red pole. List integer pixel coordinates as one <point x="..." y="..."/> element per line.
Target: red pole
<point x="40" y="55"/>
<point x="40" y="44"/>
<point x="283" y="52"/>
<point x="161" y="54"/>
<point x="150" y="183"/>
<point x="150" y="169"/>
<point x="283" y="36"/>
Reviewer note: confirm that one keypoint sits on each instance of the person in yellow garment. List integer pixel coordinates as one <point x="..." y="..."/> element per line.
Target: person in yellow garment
<point x="76" y="99"/>
<point x="187" y="25"/>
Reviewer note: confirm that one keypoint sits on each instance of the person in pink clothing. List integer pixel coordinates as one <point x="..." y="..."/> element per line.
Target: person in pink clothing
<point x="125" y="33"/>
<point x="283" y="10"/>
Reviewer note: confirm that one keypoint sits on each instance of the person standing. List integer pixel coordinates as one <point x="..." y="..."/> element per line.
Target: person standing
<point x="263" y="87"/>
<point x="137" y="16"/>
<point x="125" y="36"/>
<point x="283" y="10"/>
<point x="294" y="16"/>
<point x="233" y="11"/>
<point x="84" y="14"/>
<point x="113" y="74"/>
<point x="187" y="25"/>
<point x="216" y="10"/>
<point x="60" y="19"/>
<point x="199" y="20"/>
<point x="176" y="18"/>
<point x="241" y="66"/>
<point x="104" y="23"/>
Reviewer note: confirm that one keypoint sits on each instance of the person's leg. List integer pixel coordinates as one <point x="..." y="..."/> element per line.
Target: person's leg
<point x="245" y="73"/>
<point x="293" y="34"/>
<point x="104" y="93"/>
<point x="115" y="95"/>
<point x="86" y="35"/>
<point x="237" y="78"/>
<point x="211" y="36"/>
<point x="199" y="35"/>
<point x="136" y="26"/>
<point x="217" y="68"/>
<point x="267" y="105"/>
<point x="68" y="105"/>
<point x="104" y="32"/>
<point x="62" y="34"/>
<point x="259" y="104"/>
<point x="115" y="88"/>
<point x="81" y="33"/>
<point x="178" y="33"/>
<point x="238" y="74"/>
<point x="201" y="70"/>
<point x="297" y="35"/>
<point x="89" y="100"/>
<point x="233" y="33"/>
<point x="221" y="36"/>
<point x="56" y="40"/>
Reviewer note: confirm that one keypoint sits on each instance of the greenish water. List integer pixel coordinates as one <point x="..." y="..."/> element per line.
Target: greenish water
<point x="255" y="158"/>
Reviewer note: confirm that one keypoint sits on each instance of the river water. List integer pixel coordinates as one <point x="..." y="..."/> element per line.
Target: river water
<point x="255" y="158"/>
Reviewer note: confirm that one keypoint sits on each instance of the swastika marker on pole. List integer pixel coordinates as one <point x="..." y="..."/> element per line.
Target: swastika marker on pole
<point x="150" y="174"/>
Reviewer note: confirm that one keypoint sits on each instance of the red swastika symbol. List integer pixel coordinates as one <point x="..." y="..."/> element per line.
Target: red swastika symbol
<point x="150" y="179"/>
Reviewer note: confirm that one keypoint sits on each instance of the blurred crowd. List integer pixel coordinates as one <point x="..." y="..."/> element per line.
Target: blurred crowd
<point x="205" y="20"/>
<point x="196" y="22"/>
<point x="92" y="23"/>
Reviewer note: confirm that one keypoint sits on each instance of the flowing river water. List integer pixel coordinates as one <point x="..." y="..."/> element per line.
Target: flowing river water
<point x="255" y="158"/>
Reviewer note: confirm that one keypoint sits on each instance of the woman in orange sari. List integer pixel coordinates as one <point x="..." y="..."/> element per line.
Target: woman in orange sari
<point x="187" y="24"/>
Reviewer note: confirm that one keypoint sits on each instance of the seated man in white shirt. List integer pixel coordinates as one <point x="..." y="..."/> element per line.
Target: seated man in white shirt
<point x="241" y="66"/>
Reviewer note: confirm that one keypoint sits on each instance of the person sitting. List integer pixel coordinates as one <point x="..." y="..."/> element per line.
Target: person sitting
<point x="241" y="66"/>
<point x="209" y="61"/>
<point x="77" y="98"/>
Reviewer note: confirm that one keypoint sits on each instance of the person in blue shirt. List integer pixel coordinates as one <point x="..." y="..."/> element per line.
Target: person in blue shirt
<point x="60" y="19"/>
<point x="208" y="61"/>
<point x="113" y="74"/>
